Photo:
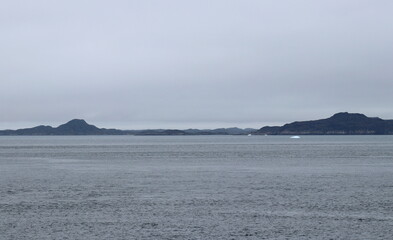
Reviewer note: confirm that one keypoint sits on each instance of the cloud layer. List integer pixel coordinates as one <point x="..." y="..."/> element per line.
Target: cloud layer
<point x="142" y="64"/>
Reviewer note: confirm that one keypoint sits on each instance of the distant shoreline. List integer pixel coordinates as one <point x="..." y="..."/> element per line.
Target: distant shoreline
<point x="343" y="123"/>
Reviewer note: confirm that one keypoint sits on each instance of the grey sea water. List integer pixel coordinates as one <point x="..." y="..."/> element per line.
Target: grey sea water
<point x="196" y="187"/>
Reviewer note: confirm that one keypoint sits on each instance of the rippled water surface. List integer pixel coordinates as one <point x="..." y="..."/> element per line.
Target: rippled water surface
<point x="196" y="187"/>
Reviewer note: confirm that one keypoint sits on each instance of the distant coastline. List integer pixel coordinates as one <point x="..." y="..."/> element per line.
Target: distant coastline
<point x="81" y="127"/>
<point x="342" y="123"/>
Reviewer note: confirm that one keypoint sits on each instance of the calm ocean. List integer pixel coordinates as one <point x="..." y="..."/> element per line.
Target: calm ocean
<point x="196" y="187"/>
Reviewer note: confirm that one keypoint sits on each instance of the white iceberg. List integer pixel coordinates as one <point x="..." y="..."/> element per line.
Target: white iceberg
<point x="295" y="137"/>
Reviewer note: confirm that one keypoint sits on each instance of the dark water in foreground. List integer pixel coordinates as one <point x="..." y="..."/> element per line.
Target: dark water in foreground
<point x="200" y="187"/>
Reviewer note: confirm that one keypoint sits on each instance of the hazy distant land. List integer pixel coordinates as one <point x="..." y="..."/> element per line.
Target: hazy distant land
<point x="339" y="124"/>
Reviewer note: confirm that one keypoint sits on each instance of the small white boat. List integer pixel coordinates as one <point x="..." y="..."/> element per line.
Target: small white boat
<point x="295" y="137"/>
<point x="249" y="135"/>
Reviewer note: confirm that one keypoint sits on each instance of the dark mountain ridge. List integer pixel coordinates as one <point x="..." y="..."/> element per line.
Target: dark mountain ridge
<point x="343" y="123"/>
<point x="73" y="127"/>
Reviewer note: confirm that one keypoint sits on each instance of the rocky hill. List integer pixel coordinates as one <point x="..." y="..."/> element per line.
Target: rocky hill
<point x="339" y="124"/>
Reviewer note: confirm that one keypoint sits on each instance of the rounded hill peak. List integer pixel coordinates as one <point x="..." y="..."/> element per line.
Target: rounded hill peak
<point x="77" y="127"/>
<point x="346" y="115"/>
<point x="77" y="121"/>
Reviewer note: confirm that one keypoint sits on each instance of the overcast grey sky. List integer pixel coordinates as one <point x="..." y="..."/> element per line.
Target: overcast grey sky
<point x="201" y="63"/>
